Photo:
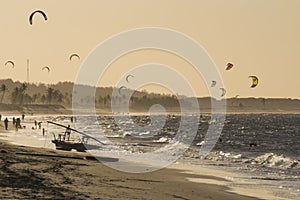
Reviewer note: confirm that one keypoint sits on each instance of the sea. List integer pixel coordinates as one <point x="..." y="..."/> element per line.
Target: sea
<point x="263" y="147"/>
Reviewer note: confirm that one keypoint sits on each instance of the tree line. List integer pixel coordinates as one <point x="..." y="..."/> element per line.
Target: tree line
<point x="23" y="94"/>
<point x="20" y="96"/>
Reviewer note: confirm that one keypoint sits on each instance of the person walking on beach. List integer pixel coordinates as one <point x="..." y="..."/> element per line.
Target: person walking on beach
<point x="6" y="123"/>
<point x="14" y="120"/>
<point x="23" y="116"/>
<point x="35" y="124"/>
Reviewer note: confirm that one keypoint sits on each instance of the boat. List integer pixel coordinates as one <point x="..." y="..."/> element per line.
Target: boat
<point x="63" y="141"/>
<point x="68" y="146"/>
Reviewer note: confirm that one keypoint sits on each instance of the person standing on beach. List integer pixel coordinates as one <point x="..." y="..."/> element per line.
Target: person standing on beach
<point x="14" y="120"/>
<point x="18" y="123"/>
<point x="6" y="123"/>
<point x="68" y="132"/>
<point x="40" y="125"/>
<point x="23" y="116"/>
<point x="0" y="117"/>
<point x="35" y="124"/>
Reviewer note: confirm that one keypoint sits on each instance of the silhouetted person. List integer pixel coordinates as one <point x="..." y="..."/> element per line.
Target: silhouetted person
<point x="0" y="117"/>
<point x="35" y="124"/>
<point x="23" y="116"/>
<point x="40" y="125"/>
<point x="252" y="144"/>
<point x="43" y="132"/>
<point x="18" y="123"/>
<point x="68" y="133"/>
<point x="14" y="120"/>
<point x="6" y="123"/>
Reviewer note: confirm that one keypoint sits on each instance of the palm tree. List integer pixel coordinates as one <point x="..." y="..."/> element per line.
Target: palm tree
<point x="28" y="99"/>
<point x="60" y="98"/>
<point x="43" y="99"/>
<point x="23" y="87"/>
<point x="3" y="90"/>
<point x="104" y="100"/>
<point x="50" y="94"/>
<point x="15" y="95"/>
<point x="55" y="95"/>
<point x="22" y="90"/>
<point x="34" y="98"/>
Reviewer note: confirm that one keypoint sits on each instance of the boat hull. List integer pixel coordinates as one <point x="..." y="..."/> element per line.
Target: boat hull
<point x="68" y="146"/>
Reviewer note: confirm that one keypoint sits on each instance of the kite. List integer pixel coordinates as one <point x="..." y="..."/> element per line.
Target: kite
<point x="122" y="87"/>
<point x="254" y="81"/>
<point x="37" y="11"/>
<point x="74" y="55"/>
<point x="46" y="68"/>
<point x="127" y="77"/>
<point x="229" y="66"/>
<point x="213" y="83"/>
<point x="10" y="62"/>
<point x="223" y="92"/>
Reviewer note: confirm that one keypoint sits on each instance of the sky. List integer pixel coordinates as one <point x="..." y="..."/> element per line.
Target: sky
<point x="260" y="37"/>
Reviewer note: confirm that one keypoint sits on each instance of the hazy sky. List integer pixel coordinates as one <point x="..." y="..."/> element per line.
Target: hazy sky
<point x="261" y="37"/>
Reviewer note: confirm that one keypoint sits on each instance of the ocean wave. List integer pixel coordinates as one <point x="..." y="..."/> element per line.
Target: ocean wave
<point x="224" y="156"/>
<point x="162" y="140"/>
<point x="275" y="161"/>
<point x="270" y="160"/>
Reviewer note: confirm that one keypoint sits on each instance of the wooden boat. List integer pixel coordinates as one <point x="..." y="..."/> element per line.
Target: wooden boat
<point x="68" y="146"/>
<point x="63" y="142"/>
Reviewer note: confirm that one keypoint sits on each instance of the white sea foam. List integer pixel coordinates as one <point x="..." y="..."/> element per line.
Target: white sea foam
<point x="162" y="140"/>
<point x="275" y="161"/>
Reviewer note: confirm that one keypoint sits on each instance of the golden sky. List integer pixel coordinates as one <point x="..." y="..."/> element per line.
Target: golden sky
<point x="261" y="37"/>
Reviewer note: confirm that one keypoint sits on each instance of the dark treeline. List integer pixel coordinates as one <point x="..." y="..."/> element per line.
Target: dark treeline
<point x="22" y="93"/>
<point x="17" y="93"/>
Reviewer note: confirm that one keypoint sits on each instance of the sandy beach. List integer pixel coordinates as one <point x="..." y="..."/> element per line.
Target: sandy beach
<point x="37" y="173"/>
<point x="33" y="169"/>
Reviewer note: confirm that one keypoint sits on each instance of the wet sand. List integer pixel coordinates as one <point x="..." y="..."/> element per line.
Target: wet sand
<point x="30" y="173"/>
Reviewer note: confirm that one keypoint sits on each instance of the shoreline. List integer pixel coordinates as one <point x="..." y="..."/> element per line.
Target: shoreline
<point x="19" y="168"/>
<point x="53" y="109"/>
<point x="234" y="182"/>
<point x="197" y="175"/>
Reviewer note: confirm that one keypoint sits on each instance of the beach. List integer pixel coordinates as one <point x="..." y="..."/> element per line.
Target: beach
<point x="26" y="173"/>
<point x="31" y="168"/>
